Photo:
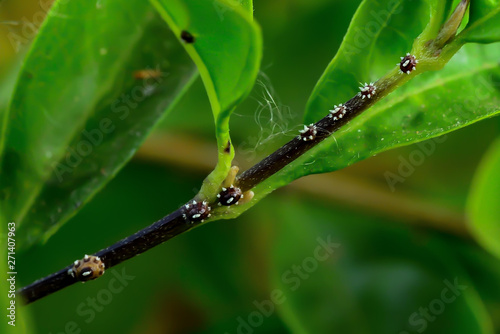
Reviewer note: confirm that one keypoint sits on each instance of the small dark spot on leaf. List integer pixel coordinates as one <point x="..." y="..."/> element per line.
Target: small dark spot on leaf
<point x="187" y="37"/>
<point x="28" y="75"/>
<point x="227" y="149"/>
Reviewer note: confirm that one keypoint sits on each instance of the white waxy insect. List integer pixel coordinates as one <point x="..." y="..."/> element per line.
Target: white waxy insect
<point x="338" y="112"/>
<point x="308" y="133"/>
<point x="197" y="211"/>
<point x="230" y="196"/>
<point x="408" y="64"/>
<point x="367" y="91"/>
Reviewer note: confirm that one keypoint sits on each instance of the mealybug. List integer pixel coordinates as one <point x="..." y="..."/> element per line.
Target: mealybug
<point x="367" y="91"/>
<point x="408" y="64"/>
<point x="88" y="268"/>
<point x="197" y="211"/>
<point x="308" y="133"/>
<point x="187" y="37"/>
<point x="229" y="196"/>
<point x="338" y="112"/>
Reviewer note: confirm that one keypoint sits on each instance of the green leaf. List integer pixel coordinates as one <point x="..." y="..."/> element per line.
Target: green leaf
<point x="348" y="273"/>
<point x="439" y="12"/>
<point x="484" y="22"/>
<point x="8" y="84"/>
<point x="484" y="270"/>
<point x="378" y="35"/>
<point x="483" y="209"/>
<point x="227" y="50"/>
<point x="83" y="104"/>
<point x="431" y="105"/>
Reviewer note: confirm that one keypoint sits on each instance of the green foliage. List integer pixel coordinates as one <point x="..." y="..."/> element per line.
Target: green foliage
<point x="359" y="264"/>
<point x="382" y="272"/>
<point x="79" y="114"/>
<point x="483" y="24"/>
<point x="376" y="28"/>
<point x="422" y="109"/>
<point x="483" y="208"/>
<point x="377" y="278"/>
<point x="439" y="11"/>
<point x="227" y="51"/>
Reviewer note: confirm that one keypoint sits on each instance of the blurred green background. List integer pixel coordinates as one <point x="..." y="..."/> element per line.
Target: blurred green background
<point x="396" y="251"/>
